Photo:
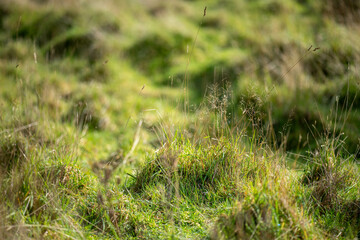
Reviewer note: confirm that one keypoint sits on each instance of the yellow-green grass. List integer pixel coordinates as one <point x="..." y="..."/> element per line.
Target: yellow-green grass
<point x="95" y="142"/>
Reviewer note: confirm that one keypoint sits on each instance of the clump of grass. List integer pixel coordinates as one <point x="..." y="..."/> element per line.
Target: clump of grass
<point x="18" y="134"/>
<point x="85" y="113"/>
<point x="334" y="183"/>
<point x="16" y="51"/>
<point x="276" y="58"/>
<point x="105" y="215"/>
<point x="331" y="63"/>
<point x="198" y="173"/>
<point x="265" y="213"/>
<point x="253" y="108"/>
<point x="211" y="171"/>
<point x="156" y="51"/>
<point x="11" y="152"/>
<point x="56" y="32"/>
<point x="206" y="76"/>
<point x="43" y="25"/>
<point x="40" y="189"/>
<point x="76" y="43"/>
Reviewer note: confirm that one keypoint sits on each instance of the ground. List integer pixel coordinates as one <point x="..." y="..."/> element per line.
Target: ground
<point x="158" y="119"/>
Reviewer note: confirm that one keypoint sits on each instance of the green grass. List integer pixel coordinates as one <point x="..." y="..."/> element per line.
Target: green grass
<point x="95" y="142"/>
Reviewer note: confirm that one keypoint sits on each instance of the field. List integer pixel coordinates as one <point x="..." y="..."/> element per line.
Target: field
<point x="150" y="119"/>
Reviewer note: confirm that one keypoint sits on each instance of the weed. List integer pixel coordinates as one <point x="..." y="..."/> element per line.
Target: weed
<point x="331" y="178"/>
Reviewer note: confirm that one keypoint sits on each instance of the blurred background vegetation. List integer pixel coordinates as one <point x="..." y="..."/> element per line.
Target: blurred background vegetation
<point x="102" y="54"/>
<point x="78" y="79"/>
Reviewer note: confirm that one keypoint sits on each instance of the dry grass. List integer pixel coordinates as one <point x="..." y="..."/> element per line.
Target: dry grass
<point x="347" y="11"/>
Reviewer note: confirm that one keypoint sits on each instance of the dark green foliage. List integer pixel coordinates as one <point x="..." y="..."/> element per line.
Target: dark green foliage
<point x="294" y="125"/>
<point x="83" y="114"/>
<point x="218" y="73"/>
<point x="57" y="33"/>
<point x="44" y="26"/>
<point x="349" y="94"/>
<point x="155" y="52"/>
<point x="75" y="43"/>
<point x="330" y="64"/>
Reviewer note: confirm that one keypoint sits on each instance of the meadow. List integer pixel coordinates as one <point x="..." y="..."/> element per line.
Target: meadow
<point x="150" y="119"/>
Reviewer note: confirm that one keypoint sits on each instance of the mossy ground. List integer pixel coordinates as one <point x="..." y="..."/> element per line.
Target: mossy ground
<point x="95" y="141"/>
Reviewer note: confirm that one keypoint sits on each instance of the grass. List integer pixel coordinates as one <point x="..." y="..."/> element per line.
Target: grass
<point x="95" y="142"/>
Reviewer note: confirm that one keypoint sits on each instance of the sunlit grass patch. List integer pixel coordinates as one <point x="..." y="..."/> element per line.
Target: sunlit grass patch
<point x="157" y="120"/>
